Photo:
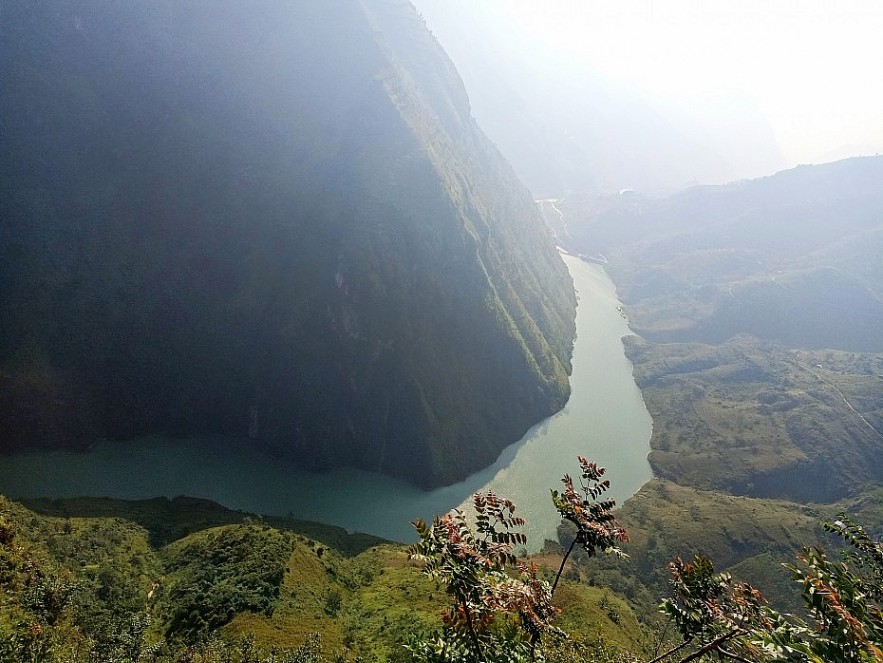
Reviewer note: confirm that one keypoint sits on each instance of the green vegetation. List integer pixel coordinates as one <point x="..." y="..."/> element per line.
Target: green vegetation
<point x="169" y="520"/>
<point x="94" y="589"/>
<point x="217" y="574"/>
<point x="750" y="537"/>
<point x="843" y="599"/>
<point x="755" y="418"/>
<point x="501" y="610"/>
<point x="71" y="587"/>
<point x="499" y="616"/>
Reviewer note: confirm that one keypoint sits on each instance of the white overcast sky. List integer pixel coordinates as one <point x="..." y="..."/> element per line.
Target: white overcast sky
<point x="813" y="67"/>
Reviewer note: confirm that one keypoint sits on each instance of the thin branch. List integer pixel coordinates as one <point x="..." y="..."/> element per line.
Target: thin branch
<point x="671" y="651"/>
<point x="662" y="636"/>
<point x="714" y="645"/>
<point x="472" y="632"/>
<point x="563" y="562"/>
<point x="735" y="657"/>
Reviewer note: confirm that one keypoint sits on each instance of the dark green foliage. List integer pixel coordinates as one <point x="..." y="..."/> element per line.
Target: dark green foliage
<point x="333" y="603"/>
<point x="221" y="573"/>
<point x="168" y="520"/>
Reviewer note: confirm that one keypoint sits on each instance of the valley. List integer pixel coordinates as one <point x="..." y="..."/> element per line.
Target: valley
<point x="757" y="350"/>
<point x="610" y="424"/>
<point x="277" y="299"/>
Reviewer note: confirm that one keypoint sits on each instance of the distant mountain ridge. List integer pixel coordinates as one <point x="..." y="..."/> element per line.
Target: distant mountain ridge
<point x="758" y="313"/>
<point x="796" y="257"/>
<point x="269" y="219"/>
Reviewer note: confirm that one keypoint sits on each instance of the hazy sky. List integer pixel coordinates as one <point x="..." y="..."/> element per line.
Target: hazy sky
<point x="812" y="67"/>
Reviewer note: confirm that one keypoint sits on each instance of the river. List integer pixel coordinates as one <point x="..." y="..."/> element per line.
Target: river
<point x="604" y="420"/>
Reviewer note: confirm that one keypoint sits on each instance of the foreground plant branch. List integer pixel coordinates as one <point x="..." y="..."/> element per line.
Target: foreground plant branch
<point x="596" y="527"/>
<point x="501" y="609"/>
<point x="842" y="598"/>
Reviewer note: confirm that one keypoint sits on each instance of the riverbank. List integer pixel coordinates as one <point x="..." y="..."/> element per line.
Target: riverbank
<point x="605" y="419"/>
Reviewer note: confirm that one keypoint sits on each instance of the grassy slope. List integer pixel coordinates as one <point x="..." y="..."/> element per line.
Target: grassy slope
<point x="382" y="600"/>
<point x="755" y="418"/>
<point x="169" y="520"/>
<point x="749" y="537"/>
<point x="753" y="446"/>
<point x="665" y="520"/>
<point x="245" y="579"/>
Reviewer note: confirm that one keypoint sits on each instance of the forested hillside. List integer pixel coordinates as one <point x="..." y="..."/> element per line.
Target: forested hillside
<point x="104" y="580"/>
<point x="268" y="220"/>
<point x="186" y="580"/>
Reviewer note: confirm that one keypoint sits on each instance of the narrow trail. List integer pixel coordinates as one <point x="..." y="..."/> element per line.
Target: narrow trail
<point x="843" y="398"/>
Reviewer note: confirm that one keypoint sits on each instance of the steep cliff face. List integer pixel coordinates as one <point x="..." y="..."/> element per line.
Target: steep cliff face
<point x="274" y="219"/>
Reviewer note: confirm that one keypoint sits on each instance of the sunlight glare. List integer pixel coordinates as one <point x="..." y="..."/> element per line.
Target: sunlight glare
<point x="809" y="66"/>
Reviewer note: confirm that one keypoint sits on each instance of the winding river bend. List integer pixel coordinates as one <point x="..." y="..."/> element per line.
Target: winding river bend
<point x="604" y="420"/>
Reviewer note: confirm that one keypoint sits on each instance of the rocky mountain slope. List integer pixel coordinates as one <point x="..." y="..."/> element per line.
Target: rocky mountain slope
<point x="267" y="220"/>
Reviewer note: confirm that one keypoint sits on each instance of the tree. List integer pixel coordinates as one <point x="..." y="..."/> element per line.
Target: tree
<point x="712" y="613"/>
<point x="501" y="609"/>
<point x="842" y="598"/>
<point x="596" y="527"/>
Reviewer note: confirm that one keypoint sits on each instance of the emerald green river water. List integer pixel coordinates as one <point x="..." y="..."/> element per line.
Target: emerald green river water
<point x="604" y="420"/>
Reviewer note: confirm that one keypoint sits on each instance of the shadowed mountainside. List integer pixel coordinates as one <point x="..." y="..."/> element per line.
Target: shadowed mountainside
<point x="265" y="219"/>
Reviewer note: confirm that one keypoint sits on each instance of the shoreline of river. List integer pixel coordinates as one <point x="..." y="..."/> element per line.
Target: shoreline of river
<point x="605" y="419"/>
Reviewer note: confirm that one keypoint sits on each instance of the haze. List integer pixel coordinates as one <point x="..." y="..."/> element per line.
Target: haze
<point x="772" y="84"/>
